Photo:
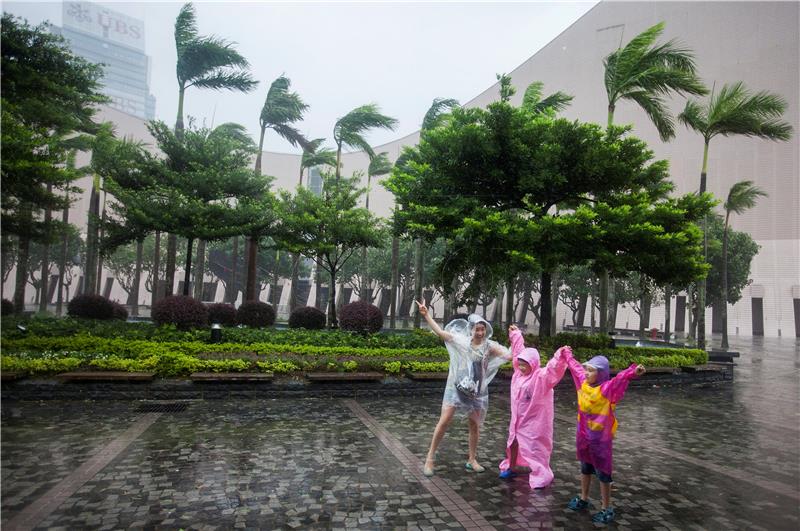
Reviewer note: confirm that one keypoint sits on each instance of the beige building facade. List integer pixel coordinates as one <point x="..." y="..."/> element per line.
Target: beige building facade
<point x="753" y="42"/>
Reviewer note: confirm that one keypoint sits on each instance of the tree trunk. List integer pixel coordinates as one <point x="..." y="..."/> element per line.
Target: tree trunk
<point x="395" y="280"/>
<point x="701" y="285"/>
<point x="511" y="286"/>
<point x="332" y="322"/>
<point x="137" y="275"/>
<point x="611" y="323"/>
<point x="317" y="287"/>
<point x="545" y="298"/>
<point x="603" y="310"/>
<point x="62" y="262"/>
<point x="554" y="304"/>
<point x="156" y="270"/>
<point x="90" y="267"/>
<point x="273" y="290"/>
<point x="43" y="300"/>
<point x="667" y="312"/>
<point x="364" y="295"/>
<point x="199" y="269"/>
<point x="169" y="274"/>
<point x="188" y="266"/>
<point x="295" y="281"/>
<point x="418" y="277"/>
<point x="592" y="321"/>
<point x="23" y="253"/>
<point x="252" y="256"/>
<point x="724" y="275"/>
<point x="100" y="236"/>
<point x="580" y="317"/>
<point x="526" y="299"/>
<point x="231" y="294"/>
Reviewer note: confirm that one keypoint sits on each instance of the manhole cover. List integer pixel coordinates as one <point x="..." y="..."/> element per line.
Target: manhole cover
<point x="174" y="407"/>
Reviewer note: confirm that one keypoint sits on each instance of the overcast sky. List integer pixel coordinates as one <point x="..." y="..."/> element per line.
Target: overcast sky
<point x="339" y="55"/>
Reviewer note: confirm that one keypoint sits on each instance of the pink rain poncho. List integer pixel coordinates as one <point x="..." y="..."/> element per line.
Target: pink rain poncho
<point x="597" y="423"/>
<point x="472" y="367"/>
<point x="531" y="423"/>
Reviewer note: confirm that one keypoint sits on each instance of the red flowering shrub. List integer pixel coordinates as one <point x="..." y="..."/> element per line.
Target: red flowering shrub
<point x="255" y="314"/>
<point x="180" y="310"/>
<point x="94" y="307"/>
<point x="224" y="314"/>
<point x="307" y="317"/>
<point x="361" y="317"/>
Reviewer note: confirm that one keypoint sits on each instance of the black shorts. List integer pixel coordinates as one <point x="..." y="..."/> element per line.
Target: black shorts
<point x="589" y="469"/>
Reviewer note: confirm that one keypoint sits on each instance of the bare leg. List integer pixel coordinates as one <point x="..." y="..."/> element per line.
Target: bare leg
<point x="586" y="482"/>
<point x="512" y="457"/>
<point x="605" y="494"/>
<point x="474" y="435"/>
<point x="438" y="434"/>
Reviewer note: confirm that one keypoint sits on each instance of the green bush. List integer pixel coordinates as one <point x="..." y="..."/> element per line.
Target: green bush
<point x="255" y="314"/>
<point x="181" y="311"/>
<point x="361" y="317"/>
<point x="7" y="308"/>
<point x="96" y="307"/>
<point x="307" y="317"/>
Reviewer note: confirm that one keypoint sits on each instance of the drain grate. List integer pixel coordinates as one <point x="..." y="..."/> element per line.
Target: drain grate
<point x="171" y="407"/>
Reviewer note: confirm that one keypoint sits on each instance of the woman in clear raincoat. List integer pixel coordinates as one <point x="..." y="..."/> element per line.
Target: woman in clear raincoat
<point x="474" y="361"/>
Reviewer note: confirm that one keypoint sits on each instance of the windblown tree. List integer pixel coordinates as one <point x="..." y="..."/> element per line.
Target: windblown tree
<point x="350" y="129"/>
<point x="204" y="62"/>
<point x="378" y="165"/>
<point x="314" y="154"/>
<point x="328" y="228"/>
<point x="646" y="73"/>
<point x="741" y="197"/>
<point x="734" y="111"/>
<point x="48" y="95"/>
<point x="281" y="110"/>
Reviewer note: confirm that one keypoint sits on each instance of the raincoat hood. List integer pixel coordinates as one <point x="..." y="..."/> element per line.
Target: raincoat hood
<point x="600" y="363"/>
<point x="531" y="356"/>
<point x="474" y="319"/>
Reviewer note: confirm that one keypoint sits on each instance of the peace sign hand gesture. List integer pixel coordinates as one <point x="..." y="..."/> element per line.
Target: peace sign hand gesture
<point x="423" y="310"/>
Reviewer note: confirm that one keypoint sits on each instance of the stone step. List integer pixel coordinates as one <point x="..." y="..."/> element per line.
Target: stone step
<point x="427" y="375"/>
<point x="106" y="376"/>
<point x="344" y="376"/>
<point x="232" y="376"/>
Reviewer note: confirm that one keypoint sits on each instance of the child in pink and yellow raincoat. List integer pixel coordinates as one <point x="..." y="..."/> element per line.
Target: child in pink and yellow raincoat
<point x="530" y="432"/>
<point x="597" y="399"/>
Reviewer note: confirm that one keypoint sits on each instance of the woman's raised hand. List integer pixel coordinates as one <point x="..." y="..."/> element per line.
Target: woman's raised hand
<point x="423" y="310"/>
<point x="511" y="328"/>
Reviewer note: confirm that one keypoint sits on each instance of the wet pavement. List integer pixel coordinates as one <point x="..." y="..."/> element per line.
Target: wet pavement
<point x="718" y="457"/>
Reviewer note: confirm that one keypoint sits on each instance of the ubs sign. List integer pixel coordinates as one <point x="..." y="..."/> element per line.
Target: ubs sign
<point x="104" y="23"/>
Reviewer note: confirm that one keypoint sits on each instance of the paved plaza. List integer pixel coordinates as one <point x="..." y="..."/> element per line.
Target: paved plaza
<point x="719" y="457"/>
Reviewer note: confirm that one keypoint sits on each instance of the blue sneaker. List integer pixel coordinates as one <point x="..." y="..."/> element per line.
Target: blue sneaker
<point x="577" y="504"/>
<point x="507" y="474"/>
<point x="606" y="516"/>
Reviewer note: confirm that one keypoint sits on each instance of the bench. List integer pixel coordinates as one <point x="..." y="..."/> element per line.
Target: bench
<point x="106" y="376"/>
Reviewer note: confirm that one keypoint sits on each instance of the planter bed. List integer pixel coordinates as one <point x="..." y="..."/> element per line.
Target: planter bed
<point x="10" y="376"/>
<point x="427" y="375"/>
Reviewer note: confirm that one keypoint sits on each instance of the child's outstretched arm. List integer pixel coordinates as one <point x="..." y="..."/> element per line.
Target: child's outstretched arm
<point x="615" y="388"/>
<point x="576" y="370"/>
<point x="557" y="366"/>
<point x="517" y="344"/>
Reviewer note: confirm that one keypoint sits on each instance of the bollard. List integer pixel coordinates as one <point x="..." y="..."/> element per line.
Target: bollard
<point x="216" y="333"/>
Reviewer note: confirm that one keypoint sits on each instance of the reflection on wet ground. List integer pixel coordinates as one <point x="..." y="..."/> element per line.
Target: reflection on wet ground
<point x="718" y="457"/>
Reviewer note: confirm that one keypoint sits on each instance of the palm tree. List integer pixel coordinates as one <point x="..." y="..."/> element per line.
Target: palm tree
<point x="646" y="73"/>
<point x="281" y="110"/>
<point x="206" y="62"/>
<point x="378" y="165"/>
<point x="315" y="155"/>
<point x="734" y="111"/>
<point x="742" y="196"/>
<point x="349" y="130"/>
<point x="203" y="62"/>
<point x="533" y="101"/>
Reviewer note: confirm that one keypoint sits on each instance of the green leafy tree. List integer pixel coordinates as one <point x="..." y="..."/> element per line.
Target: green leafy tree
<point x="328" y="228"/>
<point x="741" y="197"/>
<point x="378" y="165"/>
<point x="48" y="95"/>
<point x="733" y="111"/>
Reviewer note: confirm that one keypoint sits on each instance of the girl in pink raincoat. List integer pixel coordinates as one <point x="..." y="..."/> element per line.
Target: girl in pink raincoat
<point x="530" y="432"/>
<point x="597" y="399"/>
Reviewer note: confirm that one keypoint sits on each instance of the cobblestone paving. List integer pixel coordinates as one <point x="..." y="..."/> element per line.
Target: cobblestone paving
<point x="720" y="457"/>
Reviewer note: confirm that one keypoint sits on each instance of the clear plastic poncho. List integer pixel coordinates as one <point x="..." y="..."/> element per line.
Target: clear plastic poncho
<point x="472" y="367"/>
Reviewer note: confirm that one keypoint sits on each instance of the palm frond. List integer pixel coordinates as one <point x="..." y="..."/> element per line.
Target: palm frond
<point x="280" y="105"/>
<point x="694" y="116"/>
<point x="234" y="131"/>
<point x="656" y="110"/>
<point x="437" y="109"/>
<point x="743" y="196"/>
<point x="185" y="27"/>
<point x="220" y="80"/>
<point x="315" y="155"/>
<point x="206" y="57"/>
<point x="379" y="164"/>
<point x="737" y="111"/>
<point x="349" y="129"/>
<point x="290" y="134"/>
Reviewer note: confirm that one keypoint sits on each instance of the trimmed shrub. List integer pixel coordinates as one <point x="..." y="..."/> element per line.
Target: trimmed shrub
<point x="8" y="308"/>
<point x="307" y="317"/>
<point x="361" y="317"/>
<point x="93" y="307"/>
<point x="224" y="314"/>
<point x="182" y="311"/>
<point x="255" y="314"/>
<point x="120" y="312"/>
